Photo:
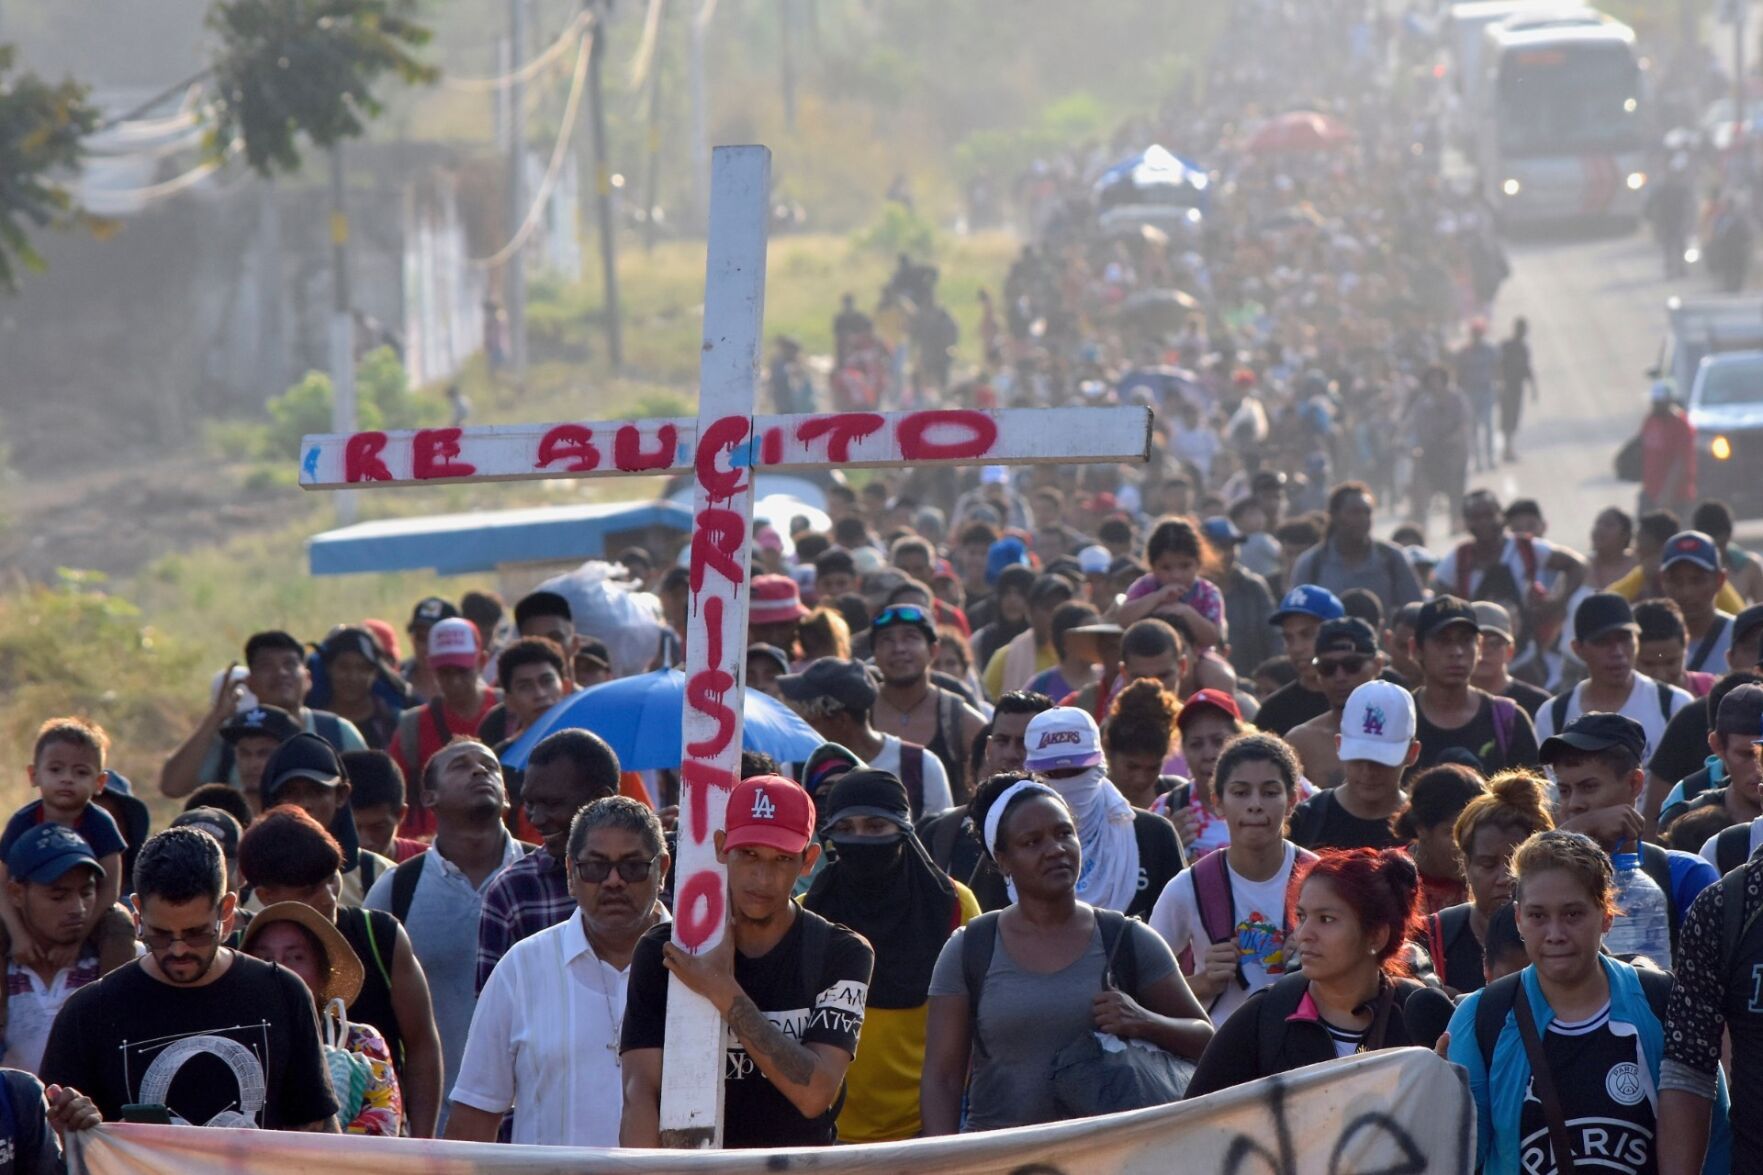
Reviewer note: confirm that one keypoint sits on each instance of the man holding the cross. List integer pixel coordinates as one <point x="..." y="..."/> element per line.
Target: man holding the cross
<point x="790" y="985"/>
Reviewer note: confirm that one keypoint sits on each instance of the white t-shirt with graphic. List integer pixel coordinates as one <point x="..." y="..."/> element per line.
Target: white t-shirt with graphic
<point x="1259" y="908"/>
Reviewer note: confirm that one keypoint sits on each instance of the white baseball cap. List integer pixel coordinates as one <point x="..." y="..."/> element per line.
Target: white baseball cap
<point x="1062" y="737"/>
<point x="1378" y="724"/>
<point x="1094" y="560"/>
<point x="454" y="643"/>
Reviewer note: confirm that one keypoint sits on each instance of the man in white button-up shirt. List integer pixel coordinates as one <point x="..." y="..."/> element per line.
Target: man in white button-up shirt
<point x="544" y="1038"/>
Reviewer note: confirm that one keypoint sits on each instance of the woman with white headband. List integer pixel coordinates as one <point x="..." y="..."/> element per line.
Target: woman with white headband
<point x="1012" y="988"/>
<point x="1129" y="854"/>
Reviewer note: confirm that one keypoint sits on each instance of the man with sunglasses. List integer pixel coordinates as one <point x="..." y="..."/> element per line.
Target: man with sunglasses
<point x="216" y="1037"/>
<point x="1346" y="658"/>
<point x="838" y="699"/>
<point x="439" y="895"/>
<point x="544" y="1038"/>
<point x="1452" y="712"/>
<point x="903" y="640"/>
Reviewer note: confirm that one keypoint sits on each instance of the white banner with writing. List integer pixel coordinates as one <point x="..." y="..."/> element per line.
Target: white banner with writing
<point x="1400" y="1112"/>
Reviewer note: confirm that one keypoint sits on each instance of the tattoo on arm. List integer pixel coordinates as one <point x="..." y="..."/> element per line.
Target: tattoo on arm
<point x="794" y="1062"/>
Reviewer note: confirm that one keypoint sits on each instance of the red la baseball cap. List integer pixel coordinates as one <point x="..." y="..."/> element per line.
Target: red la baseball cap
<point x="769" y="810"/>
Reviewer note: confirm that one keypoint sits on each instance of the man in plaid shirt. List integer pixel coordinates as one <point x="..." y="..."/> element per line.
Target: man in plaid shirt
<point x="564" y="773"/>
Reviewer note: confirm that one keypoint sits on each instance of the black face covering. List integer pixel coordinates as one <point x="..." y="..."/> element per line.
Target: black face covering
<point x="869" y="858"/>
<point x="887" y="889"/>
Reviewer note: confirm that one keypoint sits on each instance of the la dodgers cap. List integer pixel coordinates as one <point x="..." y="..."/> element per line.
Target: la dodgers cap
<point x="1309" y="600"/>
<point x="1378" y="724"/>
<point x="769" y="811"/>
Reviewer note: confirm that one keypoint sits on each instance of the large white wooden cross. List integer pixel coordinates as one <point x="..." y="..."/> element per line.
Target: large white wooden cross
<point x="721" y="448"/>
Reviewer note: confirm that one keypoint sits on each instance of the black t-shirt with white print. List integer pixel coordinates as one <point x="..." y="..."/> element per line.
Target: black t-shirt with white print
<point x="755" y="1113"/>
<point x="241" y="1051"/>
<point x="1606" y="1095"/>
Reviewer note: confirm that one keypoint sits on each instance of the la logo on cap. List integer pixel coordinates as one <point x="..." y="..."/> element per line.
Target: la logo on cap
<point x="763" y="808"/>
<point x="1374" y="720"/>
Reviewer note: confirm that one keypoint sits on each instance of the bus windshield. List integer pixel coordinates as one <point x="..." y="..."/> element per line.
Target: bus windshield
<point x="1567" y="100"/>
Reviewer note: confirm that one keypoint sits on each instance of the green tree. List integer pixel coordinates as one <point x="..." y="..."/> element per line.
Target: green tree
<point x="287" y="67"/>
<point x="41" y="126"/>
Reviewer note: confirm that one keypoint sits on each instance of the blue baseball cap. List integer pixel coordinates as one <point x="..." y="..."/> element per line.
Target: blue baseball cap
<point x="1220" y="531"/>
<point x="1690" y="546"/>
<point x="1008" y="551"/>
<point x="46" y="852"/>
<point x="1309" y="600"/>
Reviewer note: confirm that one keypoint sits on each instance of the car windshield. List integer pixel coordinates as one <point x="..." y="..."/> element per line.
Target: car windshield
<point x="1734" y="381"/>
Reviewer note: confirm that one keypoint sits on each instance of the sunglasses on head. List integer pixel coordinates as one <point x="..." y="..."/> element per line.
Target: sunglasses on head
<point x="1349" y="664"/>
<point x="596" y="870"/>
<point x="902" y="614"/>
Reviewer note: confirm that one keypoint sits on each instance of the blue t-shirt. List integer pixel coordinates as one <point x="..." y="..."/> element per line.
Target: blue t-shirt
<point x="95" y="824"/>
<point x="1690" y="875"/>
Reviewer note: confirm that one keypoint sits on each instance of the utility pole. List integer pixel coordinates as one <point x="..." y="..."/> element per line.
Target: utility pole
<point x="1740" y="106"/>
<point x="786" y="28"/>
<point x="603" y="193"/>
<point x="514" y="270"/>
<point x="697" y="25"/>
<point x="342" y="332"/>
<point x="652" y="181"/>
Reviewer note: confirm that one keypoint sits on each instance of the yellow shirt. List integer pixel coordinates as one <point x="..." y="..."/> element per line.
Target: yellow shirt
<point x="1630" y="586"/>
<point x="881" y="1102"/>
<point x="993" y="679"/>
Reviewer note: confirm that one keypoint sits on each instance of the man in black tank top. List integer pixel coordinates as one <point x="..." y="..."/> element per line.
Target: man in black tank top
<point x="910" y="705"/>
<point x="289" y="857"/>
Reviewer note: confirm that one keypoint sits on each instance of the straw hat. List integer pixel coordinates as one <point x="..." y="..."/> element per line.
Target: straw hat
<point x="346" y="973"/>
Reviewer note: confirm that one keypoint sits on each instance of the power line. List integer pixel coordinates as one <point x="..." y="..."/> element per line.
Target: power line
<point x="559" y="151"/>
<point x="527" y="72"/>
<point x="122" y="200"/>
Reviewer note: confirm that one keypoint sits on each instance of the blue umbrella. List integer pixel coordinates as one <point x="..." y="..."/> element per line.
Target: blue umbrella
<point x="639" y="717"/>
<point x="1155" y="167"/>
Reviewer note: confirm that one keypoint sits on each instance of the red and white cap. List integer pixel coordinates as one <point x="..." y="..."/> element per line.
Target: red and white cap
<point x="1062" y="737"/>
<point x="454" y="643"/>
<point x="770" y="811"/>
<point x="775" y="599"/>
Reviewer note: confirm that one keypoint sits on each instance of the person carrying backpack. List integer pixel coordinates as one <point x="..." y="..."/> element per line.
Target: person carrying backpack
<point x="1228" y="916"/>
<point x="1564" y="1057"/>
<point x="1714" y="995"/>
<point x="1355" y="912"/>
<point x="1013" y="989"/>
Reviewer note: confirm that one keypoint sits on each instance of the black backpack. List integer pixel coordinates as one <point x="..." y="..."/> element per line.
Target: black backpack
<point x="405" y="878"/>
<point x="1564" y="699"/>
<point x="1498" y="996"/>
<point x="980" y="941"/>
<point x="1732" y="848"/>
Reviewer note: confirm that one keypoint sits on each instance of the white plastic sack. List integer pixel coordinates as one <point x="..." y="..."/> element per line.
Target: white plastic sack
<point x="607" y="608"/>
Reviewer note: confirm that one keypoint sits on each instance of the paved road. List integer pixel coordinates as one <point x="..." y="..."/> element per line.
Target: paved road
<point x="1596" y="311"/>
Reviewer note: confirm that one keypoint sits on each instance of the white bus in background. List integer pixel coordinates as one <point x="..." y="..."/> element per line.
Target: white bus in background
<point x="1466" y="38"/>
<point x="1560" y="126"/>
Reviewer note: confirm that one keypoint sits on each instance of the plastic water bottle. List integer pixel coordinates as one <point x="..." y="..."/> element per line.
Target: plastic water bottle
<point x="1643" y="922"/>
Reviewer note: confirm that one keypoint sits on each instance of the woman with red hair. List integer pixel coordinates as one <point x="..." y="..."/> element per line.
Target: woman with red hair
<point x="1355" y="912"/>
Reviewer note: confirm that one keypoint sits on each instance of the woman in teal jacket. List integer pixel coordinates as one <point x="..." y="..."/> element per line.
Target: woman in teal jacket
<point x="1598" y="1023"/>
